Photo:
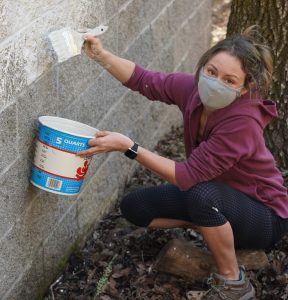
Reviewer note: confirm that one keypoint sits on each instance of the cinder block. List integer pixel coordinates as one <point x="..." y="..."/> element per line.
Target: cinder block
<point x="153" y="8"/>
<point x="59" y="244"/>
<point x="15" y="17"/>
<point x="199" y="21"/>
<point x="140" y="51"/>
<point x="11" y="265"/>
<point x="136" y="38"/>
<point x="114" y="91"/>
<point x="96" y="101"/>
<point x="121" y="3"/>
<point x="6" y="221"/>
<point x="16" y="192"/>
<point x="31" y="282"/>
<point x="174" y="117"/>
<point x="18" y="246"/>
<point x="160" y="35"/>
<point x="40" y="98"/>
<point x="88" y="108"/>
<point x="178" y="11"/>
<point x="150" y="121"/>
<point x="131" y="105"/>
<point x="130" y="24"/>
<point x="165" y="61"/>
<point x="8" y="137"/>
<point x="111" y="8"/>
<point x="72" y="82"/>
<point x="95" y="163"/>
<point x="100" y="193"/>
<point x="13" y="76"/>
<point x="93" y="13"/>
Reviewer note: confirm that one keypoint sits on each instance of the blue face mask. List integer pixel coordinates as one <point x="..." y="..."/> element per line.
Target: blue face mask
<point x="215" y="94"/>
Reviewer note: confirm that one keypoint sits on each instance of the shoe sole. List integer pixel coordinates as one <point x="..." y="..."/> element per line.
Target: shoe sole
<point x="249" y="296"/>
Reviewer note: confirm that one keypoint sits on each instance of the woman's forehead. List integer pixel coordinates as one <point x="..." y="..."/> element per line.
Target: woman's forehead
<point x="226" y="64"/>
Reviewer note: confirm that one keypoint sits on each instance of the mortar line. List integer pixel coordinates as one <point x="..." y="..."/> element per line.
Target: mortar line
<point x="146" y="27"/>
<point x="188" y="51"/>
<point x="9" y="166"/>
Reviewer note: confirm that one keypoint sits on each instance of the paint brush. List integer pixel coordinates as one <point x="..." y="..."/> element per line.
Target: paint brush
<point x="67" y="42"/>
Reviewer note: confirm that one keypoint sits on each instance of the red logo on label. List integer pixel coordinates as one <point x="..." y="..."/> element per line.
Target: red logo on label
<point x="81" y="172"/>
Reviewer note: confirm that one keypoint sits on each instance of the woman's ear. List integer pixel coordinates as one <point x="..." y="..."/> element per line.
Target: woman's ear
<point x="243" y="91"/>
<point x="251" y="86"/>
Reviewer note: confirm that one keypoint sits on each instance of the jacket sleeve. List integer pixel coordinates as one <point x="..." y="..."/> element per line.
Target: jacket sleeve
<point x="225" y="147"/>
<point x="171" y="88"/>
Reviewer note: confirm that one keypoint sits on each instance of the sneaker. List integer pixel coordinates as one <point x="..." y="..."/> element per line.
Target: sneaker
<point x="221" y="289"/>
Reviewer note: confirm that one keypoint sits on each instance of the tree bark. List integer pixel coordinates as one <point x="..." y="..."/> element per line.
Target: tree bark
<point x="272" y="17"/>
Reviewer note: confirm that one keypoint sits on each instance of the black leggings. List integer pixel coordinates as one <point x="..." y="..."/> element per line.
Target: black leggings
<point x="207" y="204"/>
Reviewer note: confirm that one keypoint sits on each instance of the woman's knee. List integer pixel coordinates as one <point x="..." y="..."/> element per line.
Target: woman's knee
<point x="204" y="205"/>
<point x="133" y="209"/>
<point x="201" y="195"/>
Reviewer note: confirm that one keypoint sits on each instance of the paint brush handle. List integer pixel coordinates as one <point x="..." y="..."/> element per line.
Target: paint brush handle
<point x="97" y="30"/>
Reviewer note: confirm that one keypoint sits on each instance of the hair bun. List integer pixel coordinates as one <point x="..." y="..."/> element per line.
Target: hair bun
<point x="252" y="33"/>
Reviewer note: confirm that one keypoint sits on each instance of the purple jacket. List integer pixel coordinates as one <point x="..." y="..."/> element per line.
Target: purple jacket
<point x="232" y="149"/>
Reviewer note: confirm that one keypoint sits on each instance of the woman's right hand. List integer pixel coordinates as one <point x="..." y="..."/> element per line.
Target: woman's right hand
<point x="93" y="48"/>
<point x="122" y="69"/>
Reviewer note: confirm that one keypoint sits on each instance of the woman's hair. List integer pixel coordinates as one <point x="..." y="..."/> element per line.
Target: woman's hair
<point x="255" y="57"/>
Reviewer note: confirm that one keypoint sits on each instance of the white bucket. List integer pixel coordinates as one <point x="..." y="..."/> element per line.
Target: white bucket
<point x="56" y="168"/>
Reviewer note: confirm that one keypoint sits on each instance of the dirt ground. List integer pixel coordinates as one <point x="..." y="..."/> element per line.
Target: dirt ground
<point x="117" y="259"/>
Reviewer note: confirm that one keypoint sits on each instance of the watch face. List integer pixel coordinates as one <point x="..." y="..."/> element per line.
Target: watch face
<point x="131" y="154"/>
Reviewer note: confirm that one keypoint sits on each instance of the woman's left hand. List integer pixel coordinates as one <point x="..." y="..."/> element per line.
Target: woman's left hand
<point x="107" y="141"/>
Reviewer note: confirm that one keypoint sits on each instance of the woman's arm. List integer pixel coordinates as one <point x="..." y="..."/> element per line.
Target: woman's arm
<point x="107" y="141"/>
<point x="171" y="88"/>
<point x="122" y="69"/>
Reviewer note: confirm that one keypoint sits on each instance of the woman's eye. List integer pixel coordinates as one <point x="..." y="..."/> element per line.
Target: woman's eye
<point x="210" y="72"/>
<point x="229" y="81"/>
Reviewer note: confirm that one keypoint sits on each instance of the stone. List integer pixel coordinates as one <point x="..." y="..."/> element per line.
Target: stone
<point x="182" y="258"/>
<point x="8" y="137"/>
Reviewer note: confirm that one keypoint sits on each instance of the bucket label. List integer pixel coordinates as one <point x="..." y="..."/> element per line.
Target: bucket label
<point x="50" y="160"/>
<point x="56" y="168"/>
<point x="62" y="140"/>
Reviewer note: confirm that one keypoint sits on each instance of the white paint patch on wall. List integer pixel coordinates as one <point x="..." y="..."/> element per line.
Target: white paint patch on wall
<point x="25" y="51"/>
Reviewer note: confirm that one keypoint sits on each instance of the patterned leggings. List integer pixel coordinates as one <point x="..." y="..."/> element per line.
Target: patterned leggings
<point x="208" y="204"/>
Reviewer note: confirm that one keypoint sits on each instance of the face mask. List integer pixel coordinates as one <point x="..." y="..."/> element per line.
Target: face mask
<point x="214" y="94"/>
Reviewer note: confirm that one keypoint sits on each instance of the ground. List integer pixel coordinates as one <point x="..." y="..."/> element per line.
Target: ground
<point x="117" y="259"/>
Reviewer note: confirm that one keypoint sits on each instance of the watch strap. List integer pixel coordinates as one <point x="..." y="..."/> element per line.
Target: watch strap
<point x="132" y="151"/>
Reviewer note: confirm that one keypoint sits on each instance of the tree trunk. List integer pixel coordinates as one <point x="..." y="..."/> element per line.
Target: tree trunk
<point x="272" y="17"/>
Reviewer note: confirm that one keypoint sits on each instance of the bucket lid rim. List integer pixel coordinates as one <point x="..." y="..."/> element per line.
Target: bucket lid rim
<point x="42" y="121"/>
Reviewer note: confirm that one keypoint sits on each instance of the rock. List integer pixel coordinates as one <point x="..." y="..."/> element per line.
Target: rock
<point x="182" y="258"/>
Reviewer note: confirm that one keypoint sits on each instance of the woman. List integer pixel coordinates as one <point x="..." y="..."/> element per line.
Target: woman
<point x="229" y="187"/>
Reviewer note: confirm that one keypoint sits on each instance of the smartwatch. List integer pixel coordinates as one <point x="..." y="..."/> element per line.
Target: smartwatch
<point x="132" y="151"/>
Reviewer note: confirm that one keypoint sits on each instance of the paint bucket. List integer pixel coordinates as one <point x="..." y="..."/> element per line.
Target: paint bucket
<point x="56" y="168"/>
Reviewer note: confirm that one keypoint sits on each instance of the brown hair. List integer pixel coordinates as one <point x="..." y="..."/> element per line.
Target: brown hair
<point x="255" y="57"/>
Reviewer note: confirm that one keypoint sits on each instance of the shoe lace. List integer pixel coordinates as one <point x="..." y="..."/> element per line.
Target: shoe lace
<point x="215" y="290"/>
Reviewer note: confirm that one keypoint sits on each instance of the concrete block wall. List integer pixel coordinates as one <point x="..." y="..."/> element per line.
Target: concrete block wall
<point x="38" y="230"/>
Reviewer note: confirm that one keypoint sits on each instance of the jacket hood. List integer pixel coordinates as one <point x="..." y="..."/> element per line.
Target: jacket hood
<point x="263" y="111"/>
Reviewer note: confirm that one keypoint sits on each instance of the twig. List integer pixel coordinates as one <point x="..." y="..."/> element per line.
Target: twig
<point x="52" y="285"/>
